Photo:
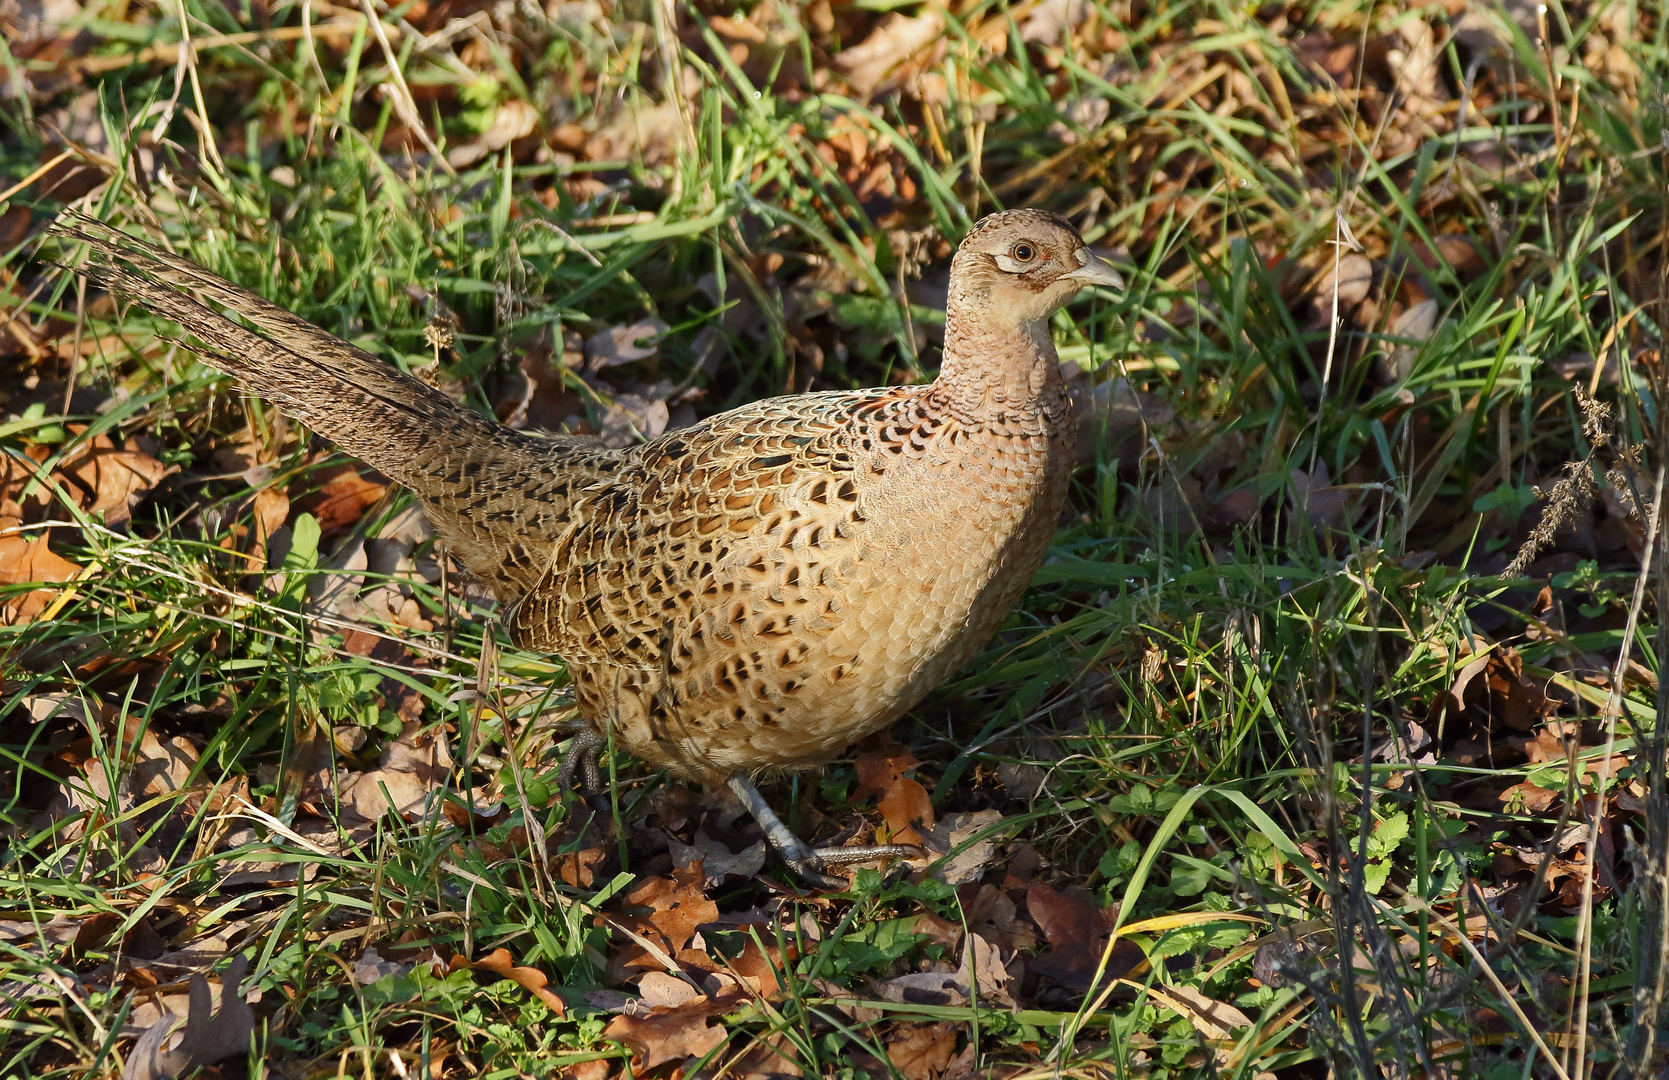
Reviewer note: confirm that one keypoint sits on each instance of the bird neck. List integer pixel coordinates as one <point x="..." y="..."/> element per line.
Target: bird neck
<point x="1000" y="373"/>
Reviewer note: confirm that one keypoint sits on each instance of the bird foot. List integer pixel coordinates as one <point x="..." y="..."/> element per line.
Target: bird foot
<point x="581" y="756"/>
<point x="811" y="865"/>
<point x="807" y="862"/>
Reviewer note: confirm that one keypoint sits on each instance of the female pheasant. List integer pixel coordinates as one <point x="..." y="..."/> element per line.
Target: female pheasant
<point x="747" y="595"/>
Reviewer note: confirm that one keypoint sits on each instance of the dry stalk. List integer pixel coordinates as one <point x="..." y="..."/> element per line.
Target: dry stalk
<point x="1651" y="941"/>
<point x="188" y="60"/>
<point x="1575" y="490"/>
<point x="1505" y="995"/>
<point x="1613" y="708"/>
<point x="400" y="94"/>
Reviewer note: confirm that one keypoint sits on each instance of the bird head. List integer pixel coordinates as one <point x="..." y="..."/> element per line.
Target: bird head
<point x="1022" y="265"/>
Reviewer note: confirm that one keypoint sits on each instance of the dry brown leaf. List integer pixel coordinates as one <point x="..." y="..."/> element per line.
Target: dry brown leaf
<point x="952" y="833"/>
<point x="763" y="970"/>
<point x="715" y="858"/>
<point x="630" y="417"/>
<point x="897" y="47"/>
<point x="530" y="979"/>
<point x="579" y="868"/>
<point x="1507" y="861"/>
<point x="1417" y="324"/>
<point x="616" y="345"/>
<point x="371" y="967"/>
<point x="198" y="955"/>
<point x="338" y="495"/>
<point x="677" y="906"/>
<point x="538" y="394"/>
<point x="25" y="558"/>
<point x="1415" y="66"/>
<point x="514" y="120"/>
<point x="1355" y="278"/>
<point x="673" y="1034"/>
<point x="1211" y="1018"/>
<point x="108" y="481"/>
<point x="1548" y="744"/>
<point x="14" y="226"/>
<point x="149" y="1011"/>
<point x="641" y="130"/>
<point x="926" y="988"/>
<point x="161" y="764"/>
<point x="1517" y="700"/>
<point x="271" y="511"/>
<point x="595" y="1069"/>
<point x="17" y="473"/>
<point x="1455" y="700"/>
<point x="663" y="991"/>
<point x="1453" y="250"/>
<point x="98" y="932"/>
<point x="1052" y="21"/>
<point x="1328" y="506"/>
<point x="1077" y="933"/>
<point x="1114" y="419"/>
<point x="413" y="766"/>
<point x="983" y="963"/>
<point x="310" y="768"/>
<point x="26" y="24"/>
<point x="94" y="932"/>
<point x="903" y="802"/>
<point x="34" y="938"/>
<point x="336" y="590"/>
<point x="923" y="1051"/>
<point x="210" y="1035"/>
<point x="992" y="915"/>
<point x="771" y="1057"/>
<point x="682" y="907"/>
<point x="1239" y="506"/>
<point x="675" y="806"/>
<point x="1534" y="799"/>
<point x="1067" y="919"/>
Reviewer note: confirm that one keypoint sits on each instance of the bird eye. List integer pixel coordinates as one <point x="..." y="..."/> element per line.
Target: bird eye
<point x="1022" y="252"/>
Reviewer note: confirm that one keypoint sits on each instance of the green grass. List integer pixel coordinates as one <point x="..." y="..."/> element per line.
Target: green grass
<point x="1195" y="703"/>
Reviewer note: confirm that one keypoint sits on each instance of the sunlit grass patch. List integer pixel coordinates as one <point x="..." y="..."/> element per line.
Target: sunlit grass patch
<point x="1275" y="757"/>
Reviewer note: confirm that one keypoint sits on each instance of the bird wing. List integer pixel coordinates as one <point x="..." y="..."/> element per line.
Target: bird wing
<point x="739" y="525"/>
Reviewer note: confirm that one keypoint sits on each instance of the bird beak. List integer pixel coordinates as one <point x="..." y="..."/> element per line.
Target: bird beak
<point x="1095" y="271"/>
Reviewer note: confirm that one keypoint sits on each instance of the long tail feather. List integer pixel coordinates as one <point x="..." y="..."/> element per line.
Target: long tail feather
<point x="379" y="414"/>
<point x="456" y="460"/>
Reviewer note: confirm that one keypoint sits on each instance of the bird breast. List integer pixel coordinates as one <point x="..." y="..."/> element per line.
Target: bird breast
<point x="846" y="596"/>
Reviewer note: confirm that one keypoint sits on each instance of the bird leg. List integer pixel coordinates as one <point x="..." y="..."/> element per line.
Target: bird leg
<point x="581" y="756"/>
<point x="802" y="858"/>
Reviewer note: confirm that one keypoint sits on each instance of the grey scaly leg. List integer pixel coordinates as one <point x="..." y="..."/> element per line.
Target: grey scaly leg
<point x="801" y="857"/>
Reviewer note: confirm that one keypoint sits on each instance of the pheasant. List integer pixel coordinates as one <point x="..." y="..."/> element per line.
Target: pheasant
<point x="745" y="596"/>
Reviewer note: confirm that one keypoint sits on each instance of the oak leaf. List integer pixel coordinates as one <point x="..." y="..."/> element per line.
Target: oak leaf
<point x="673" y="1034"/>
<point x="903" y="802"/>
<point x="530" y="979"/>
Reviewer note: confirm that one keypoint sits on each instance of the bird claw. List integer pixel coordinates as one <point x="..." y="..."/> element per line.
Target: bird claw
<point x="808" y="871"/>
<point x="581" y="757"/>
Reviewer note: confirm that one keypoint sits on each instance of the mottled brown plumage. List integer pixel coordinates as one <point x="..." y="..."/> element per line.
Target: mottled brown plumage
<point x="749" y="594"/>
